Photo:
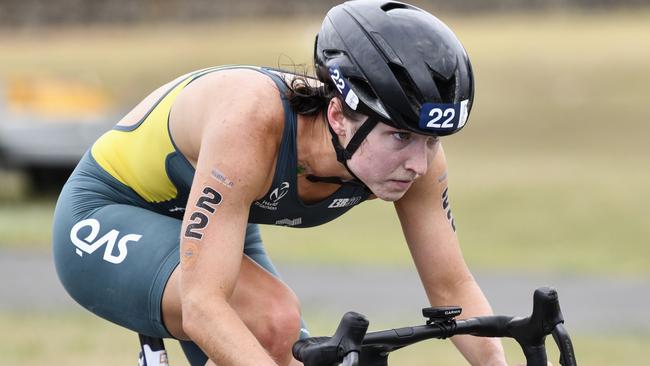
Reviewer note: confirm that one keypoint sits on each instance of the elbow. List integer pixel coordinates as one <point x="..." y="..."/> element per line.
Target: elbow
<point x="461" y="284"/>
<point x="450" y="287"/>
<point x="191" y="313"/>
<point x="195" y="314"/>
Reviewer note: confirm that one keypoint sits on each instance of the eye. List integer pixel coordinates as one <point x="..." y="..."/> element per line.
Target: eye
<point x="402" y="136"/>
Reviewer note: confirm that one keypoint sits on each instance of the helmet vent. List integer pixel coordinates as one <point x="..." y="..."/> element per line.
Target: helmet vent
<point x="446" y="87"/>
<point x="363" y="88"/>
<point x="392" y="6"/>
<point x="332" y="53"/>
<point x="412" y="93"/>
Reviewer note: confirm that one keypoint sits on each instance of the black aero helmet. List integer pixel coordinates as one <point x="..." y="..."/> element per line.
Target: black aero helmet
<point x="397" y="64"/>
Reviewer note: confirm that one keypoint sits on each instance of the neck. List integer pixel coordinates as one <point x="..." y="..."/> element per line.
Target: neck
<point x="316" y="155"/>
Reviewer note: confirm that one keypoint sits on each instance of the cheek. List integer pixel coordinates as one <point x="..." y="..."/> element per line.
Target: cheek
<point x="374" y="166"/>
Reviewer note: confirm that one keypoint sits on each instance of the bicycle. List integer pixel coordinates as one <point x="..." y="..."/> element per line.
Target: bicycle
<point x="352" y="346"/>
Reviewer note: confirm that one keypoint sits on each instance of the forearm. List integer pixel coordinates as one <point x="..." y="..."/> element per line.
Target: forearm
<point x="477" y="350"/>
<point x="222" y="335"/>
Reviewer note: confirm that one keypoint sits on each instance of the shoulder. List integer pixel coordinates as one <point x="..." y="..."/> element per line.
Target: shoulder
<point x="243" y="95"/>
<point x="234" y="120"/>
<point x="237" y="104"/>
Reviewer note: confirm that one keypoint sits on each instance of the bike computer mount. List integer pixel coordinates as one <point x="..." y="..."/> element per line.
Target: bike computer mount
<point x="441" y="314"/>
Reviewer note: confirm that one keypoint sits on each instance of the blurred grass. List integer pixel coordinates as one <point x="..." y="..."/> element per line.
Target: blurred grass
<point x="551" y="175"/>
<point x="131" y="61"/>
<point x="26" y="224"/>
<point x="74" y="338"/>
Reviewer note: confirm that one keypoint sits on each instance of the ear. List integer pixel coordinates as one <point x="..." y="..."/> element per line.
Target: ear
<point x="335" y="116"/>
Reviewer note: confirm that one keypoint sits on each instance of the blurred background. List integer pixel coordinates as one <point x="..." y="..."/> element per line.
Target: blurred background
<point x="550" y="184"/>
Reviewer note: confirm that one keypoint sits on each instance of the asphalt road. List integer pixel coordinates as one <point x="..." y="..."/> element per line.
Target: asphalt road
<point x="392" y="295"/>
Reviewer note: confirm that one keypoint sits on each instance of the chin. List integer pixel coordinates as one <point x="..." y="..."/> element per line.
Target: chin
<point x="390" y="196"/>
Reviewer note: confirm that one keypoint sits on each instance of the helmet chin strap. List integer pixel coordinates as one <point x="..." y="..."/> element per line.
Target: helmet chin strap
<point x="343" y="154"/>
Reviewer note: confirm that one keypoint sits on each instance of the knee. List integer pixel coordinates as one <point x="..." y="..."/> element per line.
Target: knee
<point x="278" y="326"/>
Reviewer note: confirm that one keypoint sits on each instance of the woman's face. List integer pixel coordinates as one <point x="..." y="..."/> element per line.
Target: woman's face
<point x="389" y="160"/>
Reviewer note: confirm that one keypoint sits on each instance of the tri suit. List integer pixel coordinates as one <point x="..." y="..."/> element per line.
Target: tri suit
<point x="117" y="222"/>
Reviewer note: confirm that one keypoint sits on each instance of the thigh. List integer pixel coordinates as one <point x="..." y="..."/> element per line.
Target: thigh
<point x="115" y="261"/>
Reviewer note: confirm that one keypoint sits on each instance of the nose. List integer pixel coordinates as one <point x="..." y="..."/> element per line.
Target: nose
<point x="418" y="160"/>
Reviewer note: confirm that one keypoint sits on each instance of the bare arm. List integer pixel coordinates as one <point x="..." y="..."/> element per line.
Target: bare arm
<point x="238" y="142"/>
<point x="434" y="246"/>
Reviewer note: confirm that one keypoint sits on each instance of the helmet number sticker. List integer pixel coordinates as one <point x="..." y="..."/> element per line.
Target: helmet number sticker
<point x="438" y="114"/>
<point x="443" y="117"/>
<point x="348" y="94"/>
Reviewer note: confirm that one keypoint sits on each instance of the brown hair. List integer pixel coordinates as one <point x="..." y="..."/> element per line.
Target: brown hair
<point x="308" y="97"/>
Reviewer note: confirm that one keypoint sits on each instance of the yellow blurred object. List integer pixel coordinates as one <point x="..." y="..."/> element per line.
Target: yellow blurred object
<point x="56" y="98"/>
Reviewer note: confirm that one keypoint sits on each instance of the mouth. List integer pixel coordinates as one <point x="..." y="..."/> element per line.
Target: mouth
<point x="402" y="183"/>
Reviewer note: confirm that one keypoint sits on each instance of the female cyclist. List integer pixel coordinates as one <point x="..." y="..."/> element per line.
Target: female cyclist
<point x="186" y="175"/>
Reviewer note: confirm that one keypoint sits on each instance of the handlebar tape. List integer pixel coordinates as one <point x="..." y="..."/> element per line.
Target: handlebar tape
<point x="563" y="341"/>
<point x="329" y="351"/>
<point x="531" y="332"/>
